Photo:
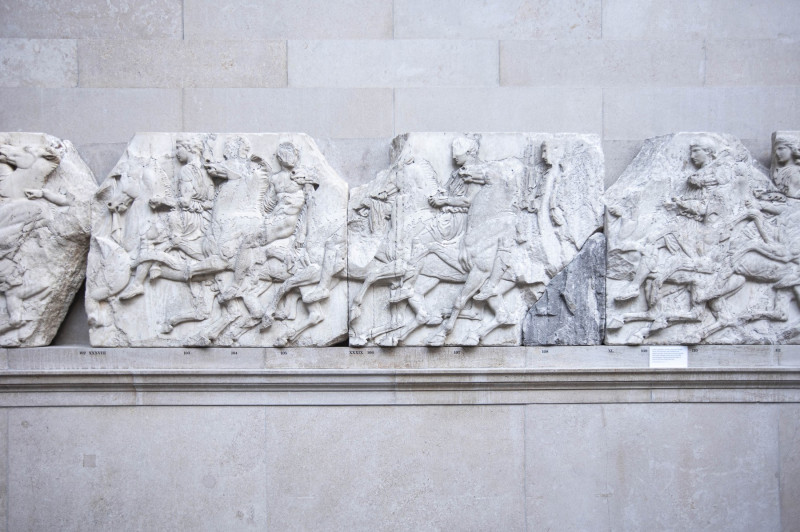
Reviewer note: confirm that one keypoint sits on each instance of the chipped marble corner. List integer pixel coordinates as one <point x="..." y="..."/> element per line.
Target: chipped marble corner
<point x="45" y="196"/>
<point x="703" y="246"/>
<point x="219" y="240"/>
<point x="460" y="236"/>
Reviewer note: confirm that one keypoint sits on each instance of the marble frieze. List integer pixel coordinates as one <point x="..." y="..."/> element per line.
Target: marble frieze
<point x="460" y="236"/>
<point x="219" y="239"/>
<point x="703" y="243"/>
<point x="45" y="195"/>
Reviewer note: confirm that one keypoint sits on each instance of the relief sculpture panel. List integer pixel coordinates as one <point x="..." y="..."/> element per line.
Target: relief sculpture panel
<point x="703" y="245"/>
<point x="45" y="195"/>
<point x="219" y="239"/>
<point x="458" y="238"/>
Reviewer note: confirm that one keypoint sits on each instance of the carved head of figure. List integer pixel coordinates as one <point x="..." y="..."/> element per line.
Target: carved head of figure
<point x="465" y="149"/>
<point x="185" y="147"/>
<point x="702" y="151"/>
<point x="236" y="147"/>
<point x="288" y="155"/>
<point x="786" y="150"/>
<point x="552" y="152"/>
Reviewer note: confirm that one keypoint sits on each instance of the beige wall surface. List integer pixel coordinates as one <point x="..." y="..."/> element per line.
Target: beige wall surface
<point x="354" y="73"/>
<point x="487" y="467"/>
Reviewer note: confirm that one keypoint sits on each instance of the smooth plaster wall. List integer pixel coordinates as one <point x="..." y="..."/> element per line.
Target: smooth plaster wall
<point x="499" y="467"/>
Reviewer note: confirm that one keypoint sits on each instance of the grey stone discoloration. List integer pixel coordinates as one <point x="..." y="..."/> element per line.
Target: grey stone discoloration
<point x="91" y="19"/>
<point x="444" y="473"/>
<point x="653" y="467"/>
<point x="172" y="63"/>
<point x="788" y="443"/>
<point x="38" y="63"/>
<point x="96" y="468"/>
<point x="499" y="109"/>
<point x="576" y="20"/>
<point x="320" y="112"/>
<point x="702" y="244"/>
<point x="393" y="63"/>
<point x="572" y="309"/>
<point x="45" y="194"/>
<point x="280" y="19"/>
<point x="453" y="242"/>
<point x="219" y="239"/>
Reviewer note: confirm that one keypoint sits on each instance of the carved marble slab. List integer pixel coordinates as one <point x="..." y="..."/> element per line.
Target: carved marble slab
<point x="572" y="310"/>
<point x="45" y="195"/>
<point x="454" y="241"/>
<point x="219" y="239"/>
<point x="703" y="244"/>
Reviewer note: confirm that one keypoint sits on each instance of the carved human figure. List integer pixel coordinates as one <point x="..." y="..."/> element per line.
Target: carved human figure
<point x="188" y="215"/>
<point x="230" y="244"/>
<point x="441" y="238"/>
<point x="708" y="259"/>
<point x="786" y="171"/>
<point x="488" y="238"/>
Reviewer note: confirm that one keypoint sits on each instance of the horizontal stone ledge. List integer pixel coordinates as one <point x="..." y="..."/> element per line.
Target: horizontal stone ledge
<point x="478" y="386"/>
<point x="65" y="358"/>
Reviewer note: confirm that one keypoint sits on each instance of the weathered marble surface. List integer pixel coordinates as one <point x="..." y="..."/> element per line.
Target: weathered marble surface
<point x="45" y="195"/>
<point x="460" y="235"/>
<point x="703" y="246"/>
<point x="572" y="309"/>
<point x="219" y="239"/>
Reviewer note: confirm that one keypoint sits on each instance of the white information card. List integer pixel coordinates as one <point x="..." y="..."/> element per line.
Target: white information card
<point x="669" y="356"/>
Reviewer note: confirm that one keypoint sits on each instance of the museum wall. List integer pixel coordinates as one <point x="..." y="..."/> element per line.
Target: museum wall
<point x="213" y="452"/>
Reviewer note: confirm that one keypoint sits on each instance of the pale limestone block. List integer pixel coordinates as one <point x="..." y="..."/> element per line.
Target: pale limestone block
<point x="38" y="63"/>
<point x="145" y="19"/>
<point x="337" y="113"/>
<point x="752" y="62"/>
<point x="499" y="109"/>
<point x="22" y="109"/>
<point x="572" y="309"/>
<point x="648" y="467"/>
<point x="45" y="195"/>
<point x="101" y="158"/>
<point x="700" y="19"/>
<point x="601" y="63"/>
<point x="170" y="63"/>
<point x="745" y="112"/>
<point x="279" y="19"/>
<point x="576" y="479"/>
<point x="99" y="116"/>
<point x="618" y="155"/>
<point x="219" y="239"/>
<point x="701" y="244"/>
<point x="74" y="329"/>
<point x="356" y="160"/>
<point x="514" y="19"/>
<point x="91" y="116"/>
<point x="789" y="442"/>
<point x="393" y="63"/>
<point x="180" y="468"/>
<point x="395" y="468"/>
<point x="460" y="235"/>
<point x="4" y="468"/>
